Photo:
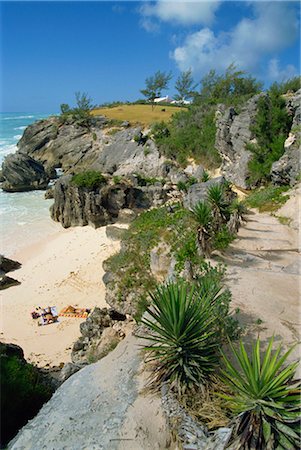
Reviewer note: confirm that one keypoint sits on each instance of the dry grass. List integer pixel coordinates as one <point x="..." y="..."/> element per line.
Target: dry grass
<point x="138" y="114"/>
<point x="205" y="406"/>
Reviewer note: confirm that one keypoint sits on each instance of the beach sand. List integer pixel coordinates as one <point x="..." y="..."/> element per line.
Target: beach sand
<point x="63" y="269"/>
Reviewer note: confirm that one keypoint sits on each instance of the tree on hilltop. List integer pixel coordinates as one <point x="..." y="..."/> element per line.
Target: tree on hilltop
<point x="81" y="113"/>
<point x="155" y="84"/>
<point x="185" y="86"/>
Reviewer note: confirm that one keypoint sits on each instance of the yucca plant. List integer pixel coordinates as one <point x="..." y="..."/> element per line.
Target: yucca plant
<point x="202" y="213"/>
<point x="183" y="334"/>
<point x="216" y="198"/>
<point x="265" y="399"/>
<point x="237" y="215"/>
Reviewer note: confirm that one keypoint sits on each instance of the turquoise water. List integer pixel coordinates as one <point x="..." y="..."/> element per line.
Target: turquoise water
<point x="24" y="216"/>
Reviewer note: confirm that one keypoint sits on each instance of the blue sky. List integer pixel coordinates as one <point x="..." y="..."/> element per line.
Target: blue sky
<point x="50" y="50"/>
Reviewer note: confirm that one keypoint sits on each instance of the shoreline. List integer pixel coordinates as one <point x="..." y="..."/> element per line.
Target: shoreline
<point x="64" y="268"/>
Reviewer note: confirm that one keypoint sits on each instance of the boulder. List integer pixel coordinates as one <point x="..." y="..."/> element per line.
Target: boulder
<point x="198" y="192"/>
<point x="232" y="136"/>
<point x="100" y="329"/>
<point x="6" y="282"/>
<point x="114" y="233"/>
<point x="49" y="193"/>
<point x="160" y="259"/>
<point x="68" y="370"/>
<point x="23" y="173"/>
<point x="11" y="350"/>
<point x="8" y="265"/>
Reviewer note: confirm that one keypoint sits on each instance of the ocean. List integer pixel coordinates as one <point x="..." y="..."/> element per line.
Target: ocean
<point x="24" y="216"/>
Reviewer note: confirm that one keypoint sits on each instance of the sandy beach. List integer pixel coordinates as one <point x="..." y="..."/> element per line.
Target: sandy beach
<point x="63" y="269"/>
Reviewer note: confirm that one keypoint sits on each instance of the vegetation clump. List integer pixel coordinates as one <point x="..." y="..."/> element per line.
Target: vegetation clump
<point x="269" y="198"/>
<point x="185" y="340"/>
<point x="90" y="179"/>
<point x="265" y="399"/>
<point x="271" y="128"/>
<point x="23" y="393"/>
<point x="81" y="113"/>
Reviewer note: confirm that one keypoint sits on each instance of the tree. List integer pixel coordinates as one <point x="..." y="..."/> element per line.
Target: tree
<point x="155" y="84"/>
<point x="232" y="87"/>
<point x="65" y="108"/>
<point x="81" y="113"/>
<point x="185" y="86"/>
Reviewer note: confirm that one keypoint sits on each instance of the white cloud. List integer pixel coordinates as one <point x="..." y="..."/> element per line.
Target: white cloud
<point x="278" y="74"/>
<point x="273" y="28"/>
<point x="180" y="12"/>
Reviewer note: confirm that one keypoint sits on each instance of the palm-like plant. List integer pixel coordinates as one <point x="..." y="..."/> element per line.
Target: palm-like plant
<point x="266" y="399"/>
<point x="184" y="337"/>
<point x="237" y="215"/>
<point x="216" y="198"/>
<point x="202" y="213"/>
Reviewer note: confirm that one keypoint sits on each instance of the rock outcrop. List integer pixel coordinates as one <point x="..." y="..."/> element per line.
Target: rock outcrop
<point x="64" y="145"/>
<point x="7" y="265"/>
<point x="288" y="168"/>
<point x="23" y="173"/>
<point x="100" y="206"/>
<point x="123" y="156"/>
<point x="100" y="333"/>
<point x="232" y="136"/>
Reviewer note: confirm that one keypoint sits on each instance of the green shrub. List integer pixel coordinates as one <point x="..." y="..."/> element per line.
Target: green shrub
<point x="184" y="340"/>
<point x="190" y="134"/>
<point x="223" y="238"/>
<point x="271" y="128"/>
<point x="90" y="179"/>
<point x="265" y="399"/>
<point x="269" y="198"/>
<point x="22" y="395"/>
<point x="116" y="179"/>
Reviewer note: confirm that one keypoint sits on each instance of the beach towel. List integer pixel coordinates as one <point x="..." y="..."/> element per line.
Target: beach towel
<point x="70" y="311"/>
<point x="45" y="316"/>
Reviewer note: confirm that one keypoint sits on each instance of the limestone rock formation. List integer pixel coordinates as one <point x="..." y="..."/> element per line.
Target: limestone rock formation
<point x="23" y="173"/>
<point x="100" y="206"/>
<point x="287" y="169"/>
<point x="64" y="145"/>
<point x="123" y="156"/>
<point x="101" y="331"/>
<point x="232" y="136"/>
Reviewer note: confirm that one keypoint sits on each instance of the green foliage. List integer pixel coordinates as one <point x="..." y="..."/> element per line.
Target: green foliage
<point x="190" y="134"/>
<point x="90" y="179"/>
<point x="269" y="198"/>
<point x="211" y="279"/>
<point x="116" y="179"/>
<point x="22" y="395"/>
<point x="223" y="238"/>
<point x="291" y="85"/>
<point x="232" y="88"/>
<point x="142" y="180"/>
<point x="80" y="114"/>
<point x="155" y="84"/>
<point x="184" y="339"/>
<point x="265" y="398"/>
<point x="132" y="263"/>
<point x="185" y="86"/>
<point x="202" y="213"/>
<point x="205" y="177"/>
<point x="271" y="128"/>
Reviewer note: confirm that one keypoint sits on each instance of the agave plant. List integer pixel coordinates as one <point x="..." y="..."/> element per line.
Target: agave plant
<point x="203" y="215"/>
<point x="183" y="334"/>
<point x="216" y="198"/>
<point x="265" y="398"/>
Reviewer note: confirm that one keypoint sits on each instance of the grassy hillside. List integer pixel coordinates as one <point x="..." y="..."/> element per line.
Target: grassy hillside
<point x="143" y="114"/>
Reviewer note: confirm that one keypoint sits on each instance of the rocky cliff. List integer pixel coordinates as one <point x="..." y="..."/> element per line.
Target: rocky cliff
<point x="74" y="205"/>
<point x="49" y="144"/>
<point x="232" y="136"/>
